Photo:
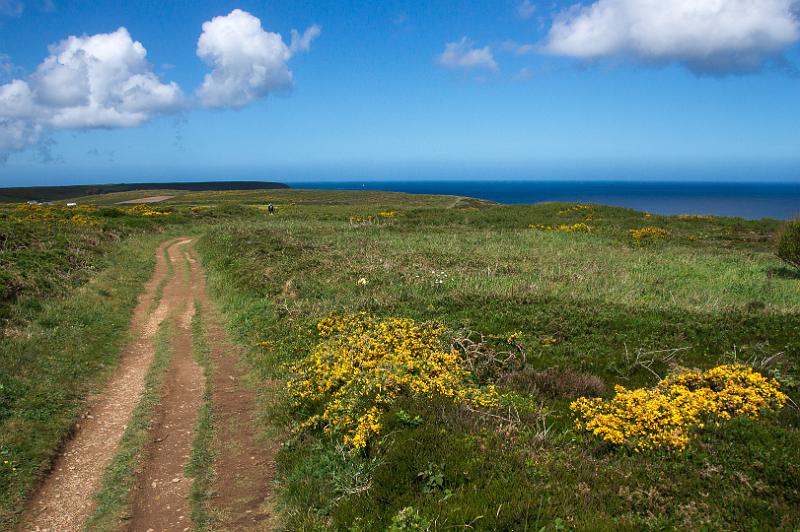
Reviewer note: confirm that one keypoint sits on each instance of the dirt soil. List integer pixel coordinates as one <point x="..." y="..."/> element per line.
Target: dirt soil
<point x="160" y="498"/>
<point x="245" y="464"/>
<point x="64" y="500"/>
<point x="149" y="199"/>
<point x="244" y="467"/>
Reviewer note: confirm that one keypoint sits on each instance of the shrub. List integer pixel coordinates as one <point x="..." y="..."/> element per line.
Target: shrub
<point x="143" y="209"/>
<point x="363" y="365"/>
<point x="647" y="233"/>
<point x="575" y="228"/>
<point x="566" y="228"/>
<point x="789" y="244"/>
<point x="694" y="217"/>
<point x="666" y="415"/>
<point x="555" y="382"/>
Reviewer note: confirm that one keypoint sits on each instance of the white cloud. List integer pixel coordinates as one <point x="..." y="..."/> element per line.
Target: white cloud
<point x="462" y="54"/>
<point x="16" y="135"/>
<point x="6" y="66"/>
<point x="526" y="9"/>
<point x="302" y="43"/>
<point x="520" y="48"/>
<point x="97" y="81"/>
<point x="17" y="100"/>
<point x="247" y="62"/>
<point x="709" y="36"/>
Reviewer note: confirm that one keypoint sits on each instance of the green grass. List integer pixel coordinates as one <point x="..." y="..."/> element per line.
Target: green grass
<point x="113" y="499"/>
<point x="711" y="289"/>
<point x="201" y="462"/>
<point x="67" y="292"/>
<point x="288" y="201"/>
<point x="85" y="192"/>
<point x="58" y="351"/>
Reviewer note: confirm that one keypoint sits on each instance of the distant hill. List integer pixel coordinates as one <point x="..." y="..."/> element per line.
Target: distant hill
<point x="56" y="193"/>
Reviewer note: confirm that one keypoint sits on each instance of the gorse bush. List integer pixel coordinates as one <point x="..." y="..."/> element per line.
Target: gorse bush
<point x="789" y="244"/>
<point x="665" y="416"/>
<point x="644" y="234"/>
<point x="363" y="365"/>
<point x="579" y="227"/>
<point x="143" y="209"/>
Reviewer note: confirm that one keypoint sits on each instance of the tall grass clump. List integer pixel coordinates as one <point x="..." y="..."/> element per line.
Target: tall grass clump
<point x="789" y="244"/>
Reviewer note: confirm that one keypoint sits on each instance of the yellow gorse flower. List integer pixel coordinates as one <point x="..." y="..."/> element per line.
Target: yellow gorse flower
<point x="666" y="415"/>
<point x="648" y="233"/>
<point x="82" y="216"/>
<point x="144" y="209"/>
<point x="362" y="365"/>
<point x="575" y="228"/>
<point x="580" y="207"/>
<point x="567" y="228"/>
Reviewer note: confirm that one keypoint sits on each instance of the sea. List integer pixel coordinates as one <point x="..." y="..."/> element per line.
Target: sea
<point x="749" y="200"/>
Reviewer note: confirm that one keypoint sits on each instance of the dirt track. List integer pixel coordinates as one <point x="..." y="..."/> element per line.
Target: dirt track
<point x="149" y="199"/>
<point x="244" y="464"/>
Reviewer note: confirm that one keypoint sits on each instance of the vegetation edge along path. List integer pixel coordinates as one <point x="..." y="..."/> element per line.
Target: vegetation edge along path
<point x="64" y="500"/>
<point x="244" y="460"/>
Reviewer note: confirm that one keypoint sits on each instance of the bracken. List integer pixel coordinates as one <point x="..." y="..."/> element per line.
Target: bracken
<point x="363" y="365"/>
<point x="667" y="415"/>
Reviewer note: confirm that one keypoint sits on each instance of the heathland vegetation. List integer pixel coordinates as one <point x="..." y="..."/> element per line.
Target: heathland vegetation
<point x="430" y="363"/>
<point x="59" y="193"/>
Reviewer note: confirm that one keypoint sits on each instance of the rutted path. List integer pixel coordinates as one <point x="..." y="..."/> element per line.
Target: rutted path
<point x="64" y="501"/>
<point x="160" y="499"/>
<point x="159" y="502"/>
<point x="245" y="462"/>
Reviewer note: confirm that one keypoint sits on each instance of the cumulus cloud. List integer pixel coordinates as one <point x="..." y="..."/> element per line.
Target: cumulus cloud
<point x="247" y="62"/>
<point x="462" y="54"/>
<point x="16" y="135"/>
<point x="97" y="81"/>
<point x="709" y="36"/>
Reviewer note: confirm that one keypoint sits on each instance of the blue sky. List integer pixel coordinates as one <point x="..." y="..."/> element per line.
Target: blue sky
<point x="397" y="89"/>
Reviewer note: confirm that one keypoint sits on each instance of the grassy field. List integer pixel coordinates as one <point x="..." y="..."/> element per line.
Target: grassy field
<point x="595" y="309"/>
<point x="590" y="307"/>
<point x="56" y="193"/>
<point x="69" y="279"/>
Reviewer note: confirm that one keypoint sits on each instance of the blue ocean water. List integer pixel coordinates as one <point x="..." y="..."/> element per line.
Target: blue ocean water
<point x="749" y="200"/>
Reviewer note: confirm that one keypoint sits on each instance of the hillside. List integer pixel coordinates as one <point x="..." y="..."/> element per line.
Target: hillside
<point x="56" y="193"/>
<point x="514" y="312"/>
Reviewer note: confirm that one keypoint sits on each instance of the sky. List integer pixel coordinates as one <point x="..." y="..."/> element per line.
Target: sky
<point x="304" y="90"/>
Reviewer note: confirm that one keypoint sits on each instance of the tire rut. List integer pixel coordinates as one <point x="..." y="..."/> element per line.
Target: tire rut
<point x="160" y="498"/>
<point x="64" y="500"/>
<point x="245" y="461"/>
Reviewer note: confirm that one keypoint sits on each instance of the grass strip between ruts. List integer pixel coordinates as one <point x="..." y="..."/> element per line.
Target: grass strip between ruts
<point x="113" y="497"/>
<point x="201" y="461"/>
